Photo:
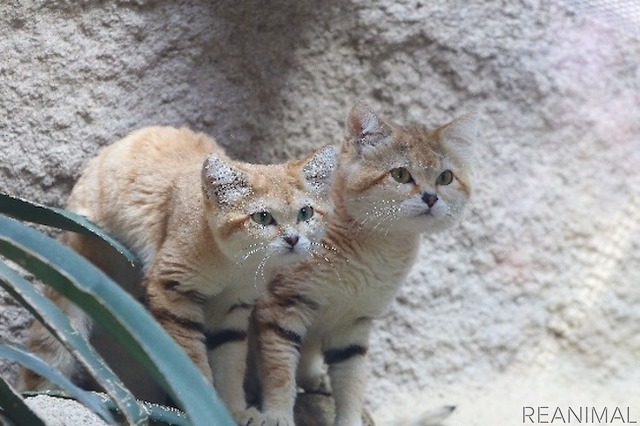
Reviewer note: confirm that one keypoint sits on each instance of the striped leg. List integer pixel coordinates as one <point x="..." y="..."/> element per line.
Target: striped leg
<point x="312" y="375"/>
<point x="227" y="345"/>
<point x="280" y="327"/>
<point x="346" y="357"/>
<point x="180" y="313"/>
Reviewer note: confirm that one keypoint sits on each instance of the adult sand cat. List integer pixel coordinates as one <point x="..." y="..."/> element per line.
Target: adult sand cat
<point x="206" y="228"/>
<point x="393" y="184"/>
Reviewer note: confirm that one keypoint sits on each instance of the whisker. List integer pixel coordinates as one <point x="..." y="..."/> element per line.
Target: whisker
<point x="317" y="255"/>
<point x="241" y="257"/>
<point x="381" y="215"/>
<point x="260" y="269"/>
<point x="329" y="247"/>
<point x="249" y="251"/>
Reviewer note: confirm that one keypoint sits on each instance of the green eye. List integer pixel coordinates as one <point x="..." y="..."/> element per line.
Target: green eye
<point x="263" y="218"/>
<point x="401" y="175"/>
<point x="445" y="178"/>
<point x="305" y="213"/>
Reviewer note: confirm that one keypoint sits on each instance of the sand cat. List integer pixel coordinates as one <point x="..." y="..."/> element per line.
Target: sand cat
<point x="208" y="231"/>
<point x="393" y="184"/>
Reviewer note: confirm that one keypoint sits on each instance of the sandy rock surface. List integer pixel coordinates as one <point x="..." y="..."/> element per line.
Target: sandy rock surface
<point x="534" y="299"/>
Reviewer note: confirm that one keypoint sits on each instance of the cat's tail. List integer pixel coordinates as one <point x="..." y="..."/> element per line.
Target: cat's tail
<point x="435" y="416"/>
<point x="430" y="417"/>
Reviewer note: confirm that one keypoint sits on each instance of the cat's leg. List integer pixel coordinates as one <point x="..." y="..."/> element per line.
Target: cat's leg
<point x="42" y="342"/>
<point x="345" y="354"/>
<point x="227" y="343"/>
<point x="179" y="310"/>
<point x="312" y="374"/>
<point x="281" y="328"/>
<point x="45" y="345"/>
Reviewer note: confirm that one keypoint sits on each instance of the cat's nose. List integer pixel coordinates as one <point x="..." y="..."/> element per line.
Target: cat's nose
<point x="291" y="239"/>
<point x="430" y="199"/>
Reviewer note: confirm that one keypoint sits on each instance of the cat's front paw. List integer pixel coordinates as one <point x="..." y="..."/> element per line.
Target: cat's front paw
<point x="320" y="384"/>
<point x="252" y="417"/>
<point x="249" y="417"/>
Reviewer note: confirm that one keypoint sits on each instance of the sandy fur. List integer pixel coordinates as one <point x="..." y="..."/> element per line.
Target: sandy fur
<point x="369" y="248"/>
<point x="186" y="209"/>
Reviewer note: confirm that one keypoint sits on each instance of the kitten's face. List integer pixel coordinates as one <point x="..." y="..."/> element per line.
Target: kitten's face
<point x="269" y="215"/>
<point x="406" y="178"/>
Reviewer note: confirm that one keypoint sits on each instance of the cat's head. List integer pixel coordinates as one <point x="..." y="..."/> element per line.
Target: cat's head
<point x="405" y="178"/>
<point x="270" y="214"/>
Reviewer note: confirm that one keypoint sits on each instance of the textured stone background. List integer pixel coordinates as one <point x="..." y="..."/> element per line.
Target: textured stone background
<point x="533" y="300"/>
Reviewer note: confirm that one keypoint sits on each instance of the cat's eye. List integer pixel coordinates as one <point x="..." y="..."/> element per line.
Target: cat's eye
<point x="263" y="218"/>
<point x="401" y="175"/>
<point x="445" y="178"/>
<point x="305" y="213"/>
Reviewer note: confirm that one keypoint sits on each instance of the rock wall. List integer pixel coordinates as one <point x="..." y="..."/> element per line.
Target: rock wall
<point x="534" y="299"/>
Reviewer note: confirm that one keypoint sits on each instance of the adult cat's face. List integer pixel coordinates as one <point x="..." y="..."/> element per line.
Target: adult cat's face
<point x="406" y="178"/>
<point x="269" y="214"/>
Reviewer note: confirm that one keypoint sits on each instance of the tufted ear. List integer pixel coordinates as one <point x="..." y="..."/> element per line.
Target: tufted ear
<point x="461" y="133"/>
<point x="319" y="169"/>
<point x="222" y="182"/>
<point x="364" y="127"/>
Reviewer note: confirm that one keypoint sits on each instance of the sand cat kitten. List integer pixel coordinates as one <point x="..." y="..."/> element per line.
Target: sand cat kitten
<point x="204" y="226"/>
<point x="393" y="183"/>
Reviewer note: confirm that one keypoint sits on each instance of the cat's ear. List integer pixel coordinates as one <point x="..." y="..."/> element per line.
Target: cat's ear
<point x="364" y="127"/>
<point x="319" y="168"/>
<point x="461" y="133"/>
<point x="223" y="183"/>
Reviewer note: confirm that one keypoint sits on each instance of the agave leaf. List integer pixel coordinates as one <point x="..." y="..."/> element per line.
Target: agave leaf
<point x="167" y="415"/>
<point x="160" y="414"/>
<point x="63" y="219"/>
<point x="119" y="314"/>
<point x="15" y="409"/>
<point x="36" y="364"/>
<point x="45" y="311"/>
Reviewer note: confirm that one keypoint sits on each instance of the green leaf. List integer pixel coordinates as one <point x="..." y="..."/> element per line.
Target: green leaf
<point x="119" y="314"/>
<point x="36" y="364"/>
<point x="162" y="414"/>
<point x="63" y="219"/>
<point x="167" y="415"/>
<point x="45" y="311"/>
<point x="15" y="409"/>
